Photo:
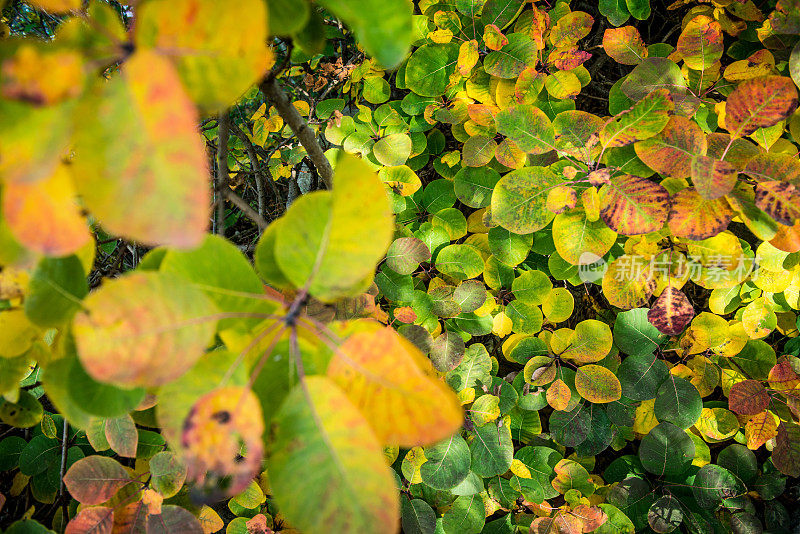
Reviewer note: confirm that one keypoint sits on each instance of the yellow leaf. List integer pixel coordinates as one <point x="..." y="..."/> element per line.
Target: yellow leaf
<point x="220" y="48"/>
<point x="558" y="395"/>
<point x="41" y="75"/>
<point x="210" y="520"/>
<point x="392" y="383"/>
<point x="645" y="417"/>
<point x="17" y="334"/>
<point x="597" y="384"/>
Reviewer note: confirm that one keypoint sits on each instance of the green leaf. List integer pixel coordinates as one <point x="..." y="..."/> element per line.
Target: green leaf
<point x="570" y="428"/>
<point x="460" y="261"/>
<point x="447" y="463"/>
<point x="666" y="450"/>
<point x="55" y="290"/>
<point x="383" y="28"/>
<point x="97" y="398"/>
<point x="509" y="62"/>
<point x="219" y="269"/>
<point x="714" y="486"/>
<point x="467" y="515"/>
<point x="492" y="450"/>
<point x="393" y="149"/>
<point x="678" y="402"/>
<point x="339" y="471"/>
<point x="634" y="335"/>
<point x="332" y="241"/>
<point x="474" y="185"/>
<point x="519" y="201"/>
<point x="641" y="376"/>
<point x="26" y="412"/>
<point x="417" y="516"/>
<point x="644" y="120"/>
<point x="529" y="128"/>
<point x="429" y="69"/>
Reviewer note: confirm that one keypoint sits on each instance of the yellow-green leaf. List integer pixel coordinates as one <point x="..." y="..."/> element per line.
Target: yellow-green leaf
<point x="597" y="384"/>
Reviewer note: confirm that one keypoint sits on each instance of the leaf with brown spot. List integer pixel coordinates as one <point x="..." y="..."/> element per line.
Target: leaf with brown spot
<point x="761" y="428"/>
<point x="694" y="217"/>
<point x="394" y="386"/>
<point x="220" y="426"/>
<point x="712" y="178"/>
<point x="773" y="167"/>
<point x="759" y="103"/>
<point x="478" y="151"/>
<point x="671" y="312"/>
<point x="671" y="151"/>
<point x="597" y="384"/>
<point x="624" y="45"/>
<point x="568" y="58"/>
<point x="558" y="395"/>
<point x="748" y="397"/>
<point x="631" y="205"/>
<point x="644" y="120"/>
<point x="780" y="200"/>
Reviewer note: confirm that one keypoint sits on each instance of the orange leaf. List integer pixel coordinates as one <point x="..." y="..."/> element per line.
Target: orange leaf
<point x="392" y="383"/>
<point x="631" y="205"/>
<point x="624" y="45"/>
<point x="45" y="216"/>
<point x="780" y="200"/>
<point x="670" y="152"/>
<point x="696" y="218"/>
<point x="759" y="103"/>
<point x="558" y="395"/>
<point x="759" y="429"/>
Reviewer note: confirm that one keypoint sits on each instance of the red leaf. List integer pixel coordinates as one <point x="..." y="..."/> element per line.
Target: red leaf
<point x="95" y="479"/>
<point x="748" y="397"/>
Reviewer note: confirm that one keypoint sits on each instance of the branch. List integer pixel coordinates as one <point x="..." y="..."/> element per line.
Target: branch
<point x="222" y="171"/>
<point x="292" y="117"/>
<point x="245" y="208"/>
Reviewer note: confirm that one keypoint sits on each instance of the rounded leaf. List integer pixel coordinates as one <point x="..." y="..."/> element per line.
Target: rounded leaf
<point x="597" y="384"/>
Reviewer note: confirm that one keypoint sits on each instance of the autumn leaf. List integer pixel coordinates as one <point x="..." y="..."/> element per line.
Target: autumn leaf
<point x="394" y="386"/>
<point x="759" y="103"/>
<point x="671" y="312"/>
<point x="624" y="45"/>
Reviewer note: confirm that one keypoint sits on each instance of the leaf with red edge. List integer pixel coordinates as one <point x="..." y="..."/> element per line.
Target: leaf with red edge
<point x="780" y="200"/>
<point x="624" y="45"/>
<point x="94" y="519"/>
<point x="141" y="165"/>
<point x="712" y="178"/>
<point x="394" y="385"/>
<point x="748" y="397"/>
<point x="761" y="428"/>
<point x="759" y="103"/>
<point x="786" y="454"/>
<point x="644" y="120"/>
<point x="95" y="479"/>
<point x="694" y="217"/>
<point x="568" y="58"/>
<point x="494" y="38"/>
<point x="44" y="215"/>
<point x="700" y="42"/>
<point x="671" y="151"/>
<point x="220" y="425"/>
<point x="631" y="205"/>
<point x="671" y="312"/>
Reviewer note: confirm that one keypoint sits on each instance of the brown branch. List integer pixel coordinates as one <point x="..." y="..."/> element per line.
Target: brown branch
<point x="245" y="208"/>
<point x="291" y="116"/>
<point x="222" y="171"/>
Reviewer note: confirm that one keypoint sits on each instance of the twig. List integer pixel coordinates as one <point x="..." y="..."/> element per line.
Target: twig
<point x="222" y="171"/>
<point x="64" y="440"/>
<point x="242" y="204"/>
<point x="257" y="174"/>
<point x="291" y="116"/>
